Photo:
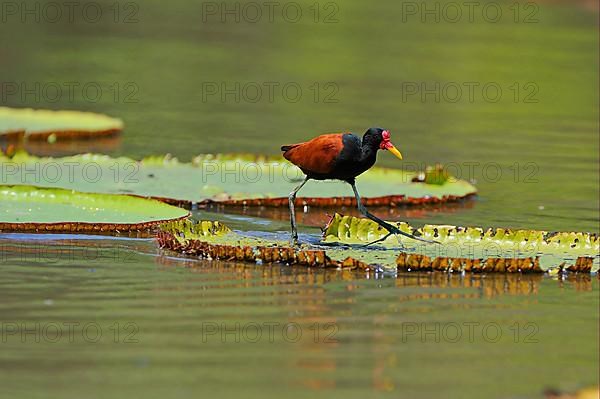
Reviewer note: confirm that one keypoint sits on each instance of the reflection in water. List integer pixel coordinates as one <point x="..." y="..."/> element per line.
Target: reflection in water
<point x="330" y="304"/>
<point x="62" y="148"/>
<point x="335" y="329"/>
<point x="57" y="249"/>
<point x="485" y="285"/>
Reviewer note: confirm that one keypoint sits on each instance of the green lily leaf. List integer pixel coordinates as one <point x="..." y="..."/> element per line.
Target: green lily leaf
<point x="52" y="125"/>
<point x="183" y="230"/>
<point x="34" y="209"/>
<point x="229" y="179"/>
<point x="433" y="175"/>
<point x="214" y="241"/>
<point x="475" y="243"/>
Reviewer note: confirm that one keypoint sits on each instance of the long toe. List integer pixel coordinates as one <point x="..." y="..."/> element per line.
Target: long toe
<point x="402" y="247"/>
<point x="397" y="232"/>
<point x="378" y="240"/>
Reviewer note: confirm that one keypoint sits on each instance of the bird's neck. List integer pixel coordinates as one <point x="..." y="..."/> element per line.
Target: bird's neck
<point x="369" y="153"/>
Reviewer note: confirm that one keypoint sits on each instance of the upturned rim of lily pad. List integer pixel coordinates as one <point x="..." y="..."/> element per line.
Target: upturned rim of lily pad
<point x="525" y="246"/>
<point x="215" y="241"/>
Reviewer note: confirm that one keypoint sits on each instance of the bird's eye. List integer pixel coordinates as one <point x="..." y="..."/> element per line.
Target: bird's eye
<point x="386" y="135"/>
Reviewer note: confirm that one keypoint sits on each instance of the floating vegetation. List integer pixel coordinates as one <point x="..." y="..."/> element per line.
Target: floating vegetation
<point x="433" y="175"/>
<point x="227" y="179"/>
<point x="43" y="210"/>
<point x="25" y="123"/>
<point x="212" y="240"/>
<point x="499" y="241"/>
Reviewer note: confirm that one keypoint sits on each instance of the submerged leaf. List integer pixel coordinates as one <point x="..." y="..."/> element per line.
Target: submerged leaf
<point x="50" y="125"/>
<point x="230" y="179"/>
<point x="34" y="209"/>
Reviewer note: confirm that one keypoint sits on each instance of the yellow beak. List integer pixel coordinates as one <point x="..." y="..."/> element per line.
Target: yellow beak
<point x="390" y="147"/>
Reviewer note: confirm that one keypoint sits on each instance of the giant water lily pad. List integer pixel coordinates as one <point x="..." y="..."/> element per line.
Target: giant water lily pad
<point x="471" y="244"/>
<point x="48" y="125"/>
<point x="212" y="240"/>
<point x="27" y="208"/>
<point x="232" y="179"/>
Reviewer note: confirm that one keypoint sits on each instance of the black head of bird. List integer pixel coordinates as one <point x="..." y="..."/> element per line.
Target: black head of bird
<point x="378" y="138"/>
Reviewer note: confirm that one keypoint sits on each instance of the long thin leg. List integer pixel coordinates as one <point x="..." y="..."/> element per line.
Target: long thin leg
<point x="292" y="198"/>
<point x="391" y="229"/>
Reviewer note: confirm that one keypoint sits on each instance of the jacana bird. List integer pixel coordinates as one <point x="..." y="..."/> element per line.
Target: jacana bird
<point x="341" y="156"/>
